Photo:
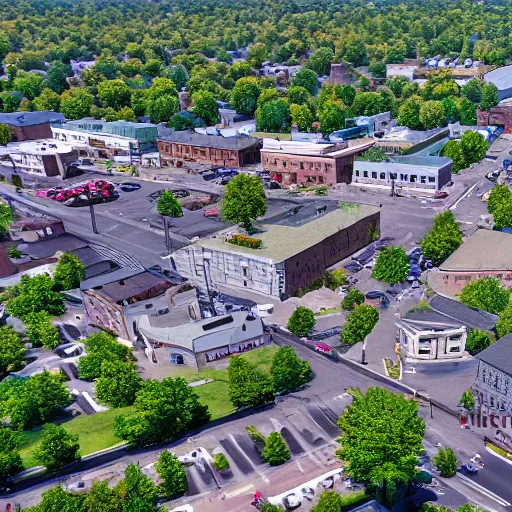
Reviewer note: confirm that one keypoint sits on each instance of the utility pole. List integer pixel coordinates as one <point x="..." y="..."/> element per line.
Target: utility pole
<point x="392" y="187"/>
<point x="93" y="219"/>
<point x="363" y="353"/>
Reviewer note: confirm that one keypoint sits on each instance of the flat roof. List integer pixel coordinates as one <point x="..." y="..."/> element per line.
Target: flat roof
<point x="501" y="77"/>
<point x="403" y="134"/>
<point x="211" y="141"/>
<point x="31" y="118"/>
<point x="37" y="147"/>
<point x="499" y="354"/>
<point x="484" y="250"/>
<point x="330" y="150"/>
<point x="281" y="242"/>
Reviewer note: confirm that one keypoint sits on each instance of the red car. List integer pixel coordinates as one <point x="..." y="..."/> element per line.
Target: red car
<point x="440" y="194"/>
<point x="211" y="212"/>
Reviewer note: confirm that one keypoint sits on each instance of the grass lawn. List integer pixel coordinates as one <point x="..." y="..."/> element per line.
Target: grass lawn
<point x="96" y="432"/>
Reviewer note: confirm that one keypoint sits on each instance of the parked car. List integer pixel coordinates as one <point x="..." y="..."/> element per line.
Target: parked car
<point x="129" y="186"/>
<point x="292" y="501"/>
<point x="440" y="194"/>
<point x="76" y="487"/>
<point x="364" y="256"/>
<point x="353" y="266"/>
<point x="380" y="296"/>
<point x="211" y="212"/>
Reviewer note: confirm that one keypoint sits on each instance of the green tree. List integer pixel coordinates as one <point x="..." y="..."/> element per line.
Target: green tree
<point x="472" y="91"/>
<point x="257" y="54"/>
<point x="504" y="323"/>
<point x="302" y="117"/>
<point x="479" y="340"/>
<point x="359" y="324"/>
<point x="248" y="386"/>
<point x="118" y="384"/>
<point x="174" y="479"/>
<point x="442" y="239"/>
<point x="467" y="400"/>
<point x="306" y="78"/>
<point x="276" y="451"/>
<point x="489" y="96"/>
<point x="106" y="65"/>
<point x="10" y="101"/>
<point x="205" y="106"/>
<point x="29" y="84"/>
<point x="5" y="46"/>
<point x="500" y="206"/>
<point x="127" y="114"/>
<point x="298" y="95"/>
<point x="320" y="61"/>
<point x="76" y="103"/>
<point x="267" y="96"/>
<point x="153" y="67"/>
<point x="353" y="298"/>
<point x="10" y="459"/>
<point x="244" y="201"/>
<point x="47" y="100"/>
<point x="220" y="462"/>
<point x="245" y="94"/>
<point x="168" y="207"/>
<point x="41" y="331"/>
<point x="69" y="272"/>
<point x="58" y="500"/>
<point x="392" y="265"/>
<point x="378" y="69"/>
<point x="397" y="84"/>
<point x="474" y="146"/>
<point x="101" y="498"/>
<point x="162" y="108"/>
<point x="138" y="101"/>
<point x="346" y="93"/>
<point x="288" y="371"/>
<point x="137" y="491"/>
<point x="239" y="70"/>
<point x="58" y="448"/>
<point x="330" y="501"/>
<point x="274" y="117"/>
<point x="57" y="74"/>
<point x="132" y="67"/>
<point x="432" y="114"/>
<point x="409" y="113"/>
<point x="487" y="294"/>
<point x="33" y="294"/>
<point x="467" y="111"/>
<point x="12" y="351"/>
<point x="178" y="74"/>
<point x="161" y="86"/>
<point x="5" y="138"/>
<point x="445" y="462"/>
<point x="367" y="104"/>
<point x="114" y="93"/>
<point x="301" y="322"/>
<point x="164" y="411"/>
<point x="332" y="117"/>
<point x="453" y="149"/>
<point x="381" y="438"/>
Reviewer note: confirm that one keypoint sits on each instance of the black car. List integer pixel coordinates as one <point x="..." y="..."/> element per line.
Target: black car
<point x="129" y="186"/>
<point x="353" y="266"/>
<point x="380" y="296"/>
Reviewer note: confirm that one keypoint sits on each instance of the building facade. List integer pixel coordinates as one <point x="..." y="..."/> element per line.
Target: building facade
<point x="292" y="254"/>
<point x="426" y="335"/>
<point x="120" y="141"/>
<point x="429" y="173"/>
<point x="500" y="115"/>
<point x="177" y="148"/>
<point x="309" y="163"/>
<point x="31" y="125"/>
<point x="402" y="140"/>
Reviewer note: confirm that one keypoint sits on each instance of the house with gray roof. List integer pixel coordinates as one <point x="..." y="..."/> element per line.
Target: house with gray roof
<point x="175" y="339"/>
<point x="502" y="79"/>
<point x="31" y="125"/>
<point x="178" y="147"/>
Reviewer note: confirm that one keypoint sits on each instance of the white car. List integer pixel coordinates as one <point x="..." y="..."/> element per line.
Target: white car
<point x="76" y="487"/>
<point x="291" y="501"/>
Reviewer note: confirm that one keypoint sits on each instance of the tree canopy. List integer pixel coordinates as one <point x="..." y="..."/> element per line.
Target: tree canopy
<point x="392" y="265"/>
<point x="487" y="294"/>
<point x="301" y="322"/>
<point x="359" y="324"/>
<point x="288" y="371"/>
<point x="443" y="238"/>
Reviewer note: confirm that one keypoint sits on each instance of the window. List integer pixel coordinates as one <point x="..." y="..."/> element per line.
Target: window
<point x="431" y="179"/>
<point x="452" y="344"/>
<point x="423" y="179"/>
<point x="176" y="359"/>
<point x="404" y="177"/>
<point x="320" y="179"/>
<point x="414" y="178"/>
<point x="357" y="173"/>
<point x="302" y="165"/>
<point x="392" y="175"/>
<point x="365" y="174"/>
<point x="374" y="175"/>
<point x="382" y="176"/>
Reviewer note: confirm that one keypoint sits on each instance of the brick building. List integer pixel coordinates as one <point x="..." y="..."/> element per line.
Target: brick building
<point x="178" y="147"/>
<point x="309" y="163"/>
<point x="31" y="125"/>
<point x="500" y="115"/>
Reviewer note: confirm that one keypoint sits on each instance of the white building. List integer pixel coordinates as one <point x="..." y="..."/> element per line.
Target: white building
<point x="431" y="336"/>
<point x="120" y="141"/>
<point x="46" y="157"/>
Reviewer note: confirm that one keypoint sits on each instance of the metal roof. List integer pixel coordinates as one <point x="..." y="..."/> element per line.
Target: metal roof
<point x="210" y="141"/>
<point x="499" y="354"/>
<point x="501" y="77"/>
<point x="143" y="132"/>
<point x="31" y="118"/>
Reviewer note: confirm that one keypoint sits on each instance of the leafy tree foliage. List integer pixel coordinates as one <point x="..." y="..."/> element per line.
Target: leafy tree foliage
<point x="489" y="97"/>
<point x="169" y="206"/>
<point x="276" y="451"/>
<point x="12" y="351"/>
<point x="467" y="400"/>
<point x="239" y="70"/>
<point x="442" y="239"/>
<point x="381" y="438"/>
<point x="378" y="69"/>
<point x="118" y="384"/>
<point x="409" y="113"/>
<point x="346" y="93"/>
<point x="245" y="94"/>
<point x="57" y="499"/>
<point x="487" y="294"/>
<point x="288" y="371"/>
<point x="114" y="93"/>
<point x="397" y="84"/>
<point x="58" y="448"/>
<point x="445" y="462"/>
<point x="220" y="462"/>
<point x="332" y="117"/>
<point x="164" y="411"/>
<point x="47" y="100"/>
<point x="375" y="154"/>
<point x="162" y="108"/>
<point x="367" y="104"/>
<point x="248" y="386"/>
<point x="10" y="459"/>
<point x="504" y="323"/>
<point x="298" y="95"/>
<point x="33" y="294"/>
<point x="126" y="114"/>
<point x="57" y="74"/>
<point x="479" y="340"/>
<point x="359" y="324"/>
<point x="69" y="272"/>
<point x="257" y="54"/>
<point x="5" y="138"/>
<point x="178" y="74"/>
<point x="41" y="331"/>
<point x="33" y="401"/>
<point x="174" y="479"/>
<point x="392" y="265"/>
<point x="76" y="103"/>
<point x="308" y="79"/>
<point x="244" y="201"/>
<point x="474" y="146"/>
<point x="302" y="117"/>
<point x="205" y="106"/>
<point x="320" y="61"/>
<point x="432" y="114"/>
<point x="274" y="116"/>
<point x="301" y="322"/>
<point x="453" y="149"/>
<point x="330" y="501"/>
<point x="29" y="84"/>
<point x="473" y="91"/>
<point x="466" y="111"/>
<point x="500" y="206"/>
<point x="101" y="497"/>
<point x="353" y="298"/>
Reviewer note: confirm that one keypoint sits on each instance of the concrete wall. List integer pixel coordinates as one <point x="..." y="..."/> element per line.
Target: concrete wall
<point x="33" y="132"/>
<point x="304" y="268"/>
<point x="451" y="283"/>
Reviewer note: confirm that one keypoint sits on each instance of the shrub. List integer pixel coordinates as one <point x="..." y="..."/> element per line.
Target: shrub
<point x="257" y="437"/>
<point x="276" y="451"/>
<point x="477" y="341"/>
<point x="41" y="331"/>
<point x="487" y="294"/>
<point x="334" y="279"/>
<point x="360" y="323"/>
<point x="288" y="371"/>
<point x="220" y="463"/>
<point x="245" y="241"/>
<point x="392" y="265"/>
<point x="446" y="462"/>
<point x="353" y="298"/>
<point x="504" y="323"/>
<point x="301" y="322"/>
<point x="14" y="252"/>
<point x="467" y="400"/>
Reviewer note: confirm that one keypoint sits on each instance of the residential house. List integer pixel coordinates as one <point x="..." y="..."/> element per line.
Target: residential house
<point x="31" y="125"/>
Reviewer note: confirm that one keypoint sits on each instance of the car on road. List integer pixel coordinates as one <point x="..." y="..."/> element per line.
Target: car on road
<point x="440" y="194"/>
<point x="292" y="501"/>
<point x="129" y="186"/>
<point x="76" y="487"/>
<point x="353" y="266"/>
<point x="381" y="297"/>
<point x="211" y="212"/>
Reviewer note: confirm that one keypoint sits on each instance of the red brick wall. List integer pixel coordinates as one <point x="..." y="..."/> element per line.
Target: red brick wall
<point x="501" y="116"/>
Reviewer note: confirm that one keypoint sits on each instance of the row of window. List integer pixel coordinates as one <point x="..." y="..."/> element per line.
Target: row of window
<point x="413" y="178"/>
<point x="294" y="164"/>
